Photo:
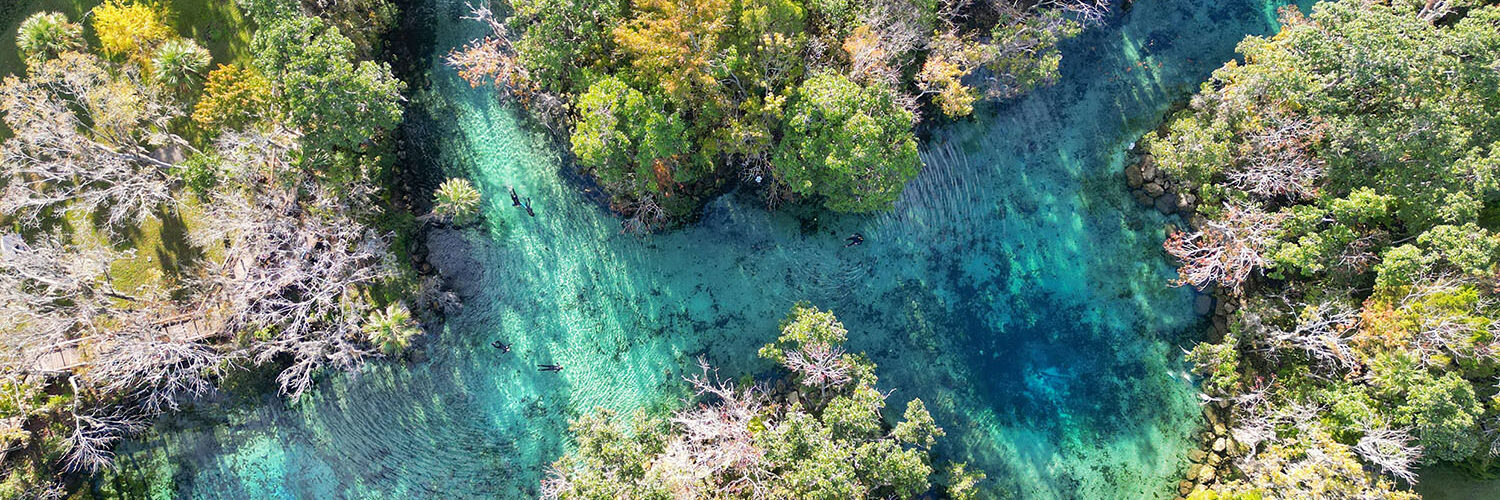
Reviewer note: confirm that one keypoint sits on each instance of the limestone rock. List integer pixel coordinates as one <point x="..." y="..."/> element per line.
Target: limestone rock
<point x="1203" y="305"/>
<point x="1153" y="189"/>
<point x="1219" y="430"/>
<point x="1186" y="201"/>
<point x="1133" y="176"/>
<point x="1205" y="474"/>
<point x="1142" y="198"/>
<point x="1148" y="168"/>
<point x="1166" y="204"/>
<point x="1196" y="455"/>
<point x="1185" y="486"/>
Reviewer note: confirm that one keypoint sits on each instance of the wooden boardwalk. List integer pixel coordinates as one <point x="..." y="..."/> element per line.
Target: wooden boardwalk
<point x="65" y="356"/>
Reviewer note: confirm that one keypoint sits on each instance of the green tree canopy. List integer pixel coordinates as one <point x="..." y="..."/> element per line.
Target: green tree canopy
<point x="848" y="143"/>
<point x="338" y="104"/>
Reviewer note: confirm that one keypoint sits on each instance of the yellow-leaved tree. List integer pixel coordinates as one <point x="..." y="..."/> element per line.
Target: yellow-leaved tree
<point x="129" y="28"/>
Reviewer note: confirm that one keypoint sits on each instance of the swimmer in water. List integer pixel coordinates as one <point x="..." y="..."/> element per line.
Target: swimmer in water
<point x="503" y="347"/>
<point x="515" y="201"/>
<point x="854" y="239"/>
<point x="528" y="207"/>
<point x="550" y="368"/>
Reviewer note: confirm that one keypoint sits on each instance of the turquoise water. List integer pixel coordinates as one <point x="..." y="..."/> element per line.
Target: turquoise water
<point x="1017" y="289"/>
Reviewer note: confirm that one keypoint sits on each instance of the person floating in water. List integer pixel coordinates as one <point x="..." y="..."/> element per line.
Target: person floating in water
<point x="503" y="347"/>
<point x="550" y="368"/>
<point x="515" y="201"/>
<point x="854" y="239"/>
<point x="528" y="207"/>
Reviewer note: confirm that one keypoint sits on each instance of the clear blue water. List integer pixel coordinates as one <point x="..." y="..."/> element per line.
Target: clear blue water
<point x="1017" y="289"/>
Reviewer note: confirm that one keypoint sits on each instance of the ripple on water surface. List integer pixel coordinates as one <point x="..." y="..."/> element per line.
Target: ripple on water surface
<point x="1015" y="288"/>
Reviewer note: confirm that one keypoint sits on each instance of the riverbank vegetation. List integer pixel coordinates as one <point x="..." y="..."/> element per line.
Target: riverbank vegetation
<point x="665" y="102"/>
<point x="823" y="436"/>
<point x="170" y="221"/>
<point x="1346" y="179"/>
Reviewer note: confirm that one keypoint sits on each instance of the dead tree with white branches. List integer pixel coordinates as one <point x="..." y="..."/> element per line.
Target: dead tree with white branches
<point x="94" y="432"/>
<point x="1279" y="160"/>
<point x="820" y="365"/>
<point x="81" y="143"/>
<point x="1325" y="332"/>
<point x="158" y="373"/>
<point x="51" y="292"/>
<point x="1226" y="250"/>
<point x="294" y="259"/>
<point x="716" y="440"/>
<point x="1392" y="451"/>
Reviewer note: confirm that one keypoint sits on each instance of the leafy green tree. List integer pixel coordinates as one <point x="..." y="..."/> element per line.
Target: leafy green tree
<point x="963" y="484"/>
<point x="457" y="200"/>
<point x="917" y="427"/>
<point x="338" y="104"/>
<point x="560" y="40"/>
<point x="233" y="97"/>
<point x="630" y="142"/>
<point x="848" y="143"/>
<point x="46" y="34"/>
<point x="1445" y="414"/>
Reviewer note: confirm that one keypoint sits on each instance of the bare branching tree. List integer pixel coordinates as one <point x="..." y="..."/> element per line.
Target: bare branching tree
<point x="95" y="431"/>
<point x="1280" y="161"/>
<point x="716" y="439"/>
<point x="1226" y="250"/>
<point x="81" y="139"/>
<point x="294" y="259"/>
<point x="820" y="365"/>
<point x="49" y="293"/>
<point x="1324" y="331"/>
<point x="1436" y="9"/>
<point x="1392" y="451"/>
<point x="157" y="372"/>
<point x="1443" y="333"/>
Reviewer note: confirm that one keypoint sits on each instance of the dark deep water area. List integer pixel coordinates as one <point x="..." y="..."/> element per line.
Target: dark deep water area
<point x="1016" y="288"/>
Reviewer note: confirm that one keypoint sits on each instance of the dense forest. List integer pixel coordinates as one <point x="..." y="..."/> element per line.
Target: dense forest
<point x="665" y="102"/>
<point x="1346" y="176"/>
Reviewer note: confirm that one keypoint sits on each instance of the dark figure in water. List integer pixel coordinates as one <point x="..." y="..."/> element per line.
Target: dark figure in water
<point x="515" y="201"/>
<point x="855" y="239"/>
<point x="528" y="207"/>
<point x="550" y="368"/>
<point x="503" y="347"/>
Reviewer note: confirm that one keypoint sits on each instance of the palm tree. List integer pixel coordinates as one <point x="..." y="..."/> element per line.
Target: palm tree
<point x="47" y="34"/>
<point x="457" y="199"/>
<point x="177" y="62"/>
<point x="391" y="329"/>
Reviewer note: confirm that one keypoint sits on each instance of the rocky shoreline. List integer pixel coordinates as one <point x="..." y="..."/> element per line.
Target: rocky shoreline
<point x="1210" y="461"/>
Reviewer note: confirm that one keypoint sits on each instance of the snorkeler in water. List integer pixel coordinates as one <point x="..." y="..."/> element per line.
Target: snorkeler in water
<point x="550" y="368"/>
<point x="528" y="207"/>
<point x="503" y="347"/>
<point x="854" y="239"/>
<point x="515" y="201"/>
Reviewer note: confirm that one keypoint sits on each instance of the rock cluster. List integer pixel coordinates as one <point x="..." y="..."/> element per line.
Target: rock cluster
<point x="1210" y="461"/>
<point x="1151" y="188"/>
